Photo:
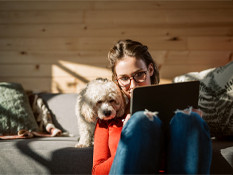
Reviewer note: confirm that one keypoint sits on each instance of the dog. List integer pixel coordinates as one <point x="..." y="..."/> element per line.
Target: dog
<point x="102" y="99"/>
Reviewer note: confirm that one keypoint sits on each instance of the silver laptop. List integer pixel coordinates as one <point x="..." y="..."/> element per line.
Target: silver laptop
<point x="165" y="98"/>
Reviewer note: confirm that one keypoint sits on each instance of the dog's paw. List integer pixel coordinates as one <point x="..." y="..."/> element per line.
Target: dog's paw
<point x="79" y="145"/>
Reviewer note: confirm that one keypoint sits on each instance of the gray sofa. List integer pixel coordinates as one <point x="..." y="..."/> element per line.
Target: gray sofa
<point x="57" y="155"/>
<point x="49" y="155"/>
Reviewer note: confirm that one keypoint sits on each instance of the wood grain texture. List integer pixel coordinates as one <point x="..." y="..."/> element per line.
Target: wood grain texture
<point x="58" y="46"/>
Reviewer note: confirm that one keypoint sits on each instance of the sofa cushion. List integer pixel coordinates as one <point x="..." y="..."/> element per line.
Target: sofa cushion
<point x="222" y="158"/>
<point x="216" y="97"/>
<point x="54" y="155"/>
<point x="62" y="108"/>
<point x="15" y="110"/>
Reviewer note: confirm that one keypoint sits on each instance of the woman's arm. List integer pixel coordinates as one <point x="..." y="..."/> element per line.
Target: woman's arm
<point x="102" y="159"/>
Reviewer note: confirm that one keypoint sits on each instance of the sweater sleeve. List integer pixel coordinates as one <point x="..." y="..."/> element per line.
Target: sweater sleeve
<point x="106" y="138"/>
<point x="102" y="159"/>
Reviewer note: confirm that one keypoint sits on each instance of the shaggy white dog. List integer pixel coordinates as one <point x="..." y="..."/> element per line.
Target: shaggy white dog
<point x="101" y="99"/>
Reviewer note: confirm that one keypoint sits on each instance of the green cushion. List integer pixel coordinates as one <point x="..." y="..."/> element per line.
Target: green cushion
<point x="15" y="110"/>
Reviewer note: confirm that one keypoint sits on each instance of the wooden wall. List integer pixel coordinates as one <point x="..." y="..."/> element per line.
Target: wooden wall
<point x="58" y="46"/>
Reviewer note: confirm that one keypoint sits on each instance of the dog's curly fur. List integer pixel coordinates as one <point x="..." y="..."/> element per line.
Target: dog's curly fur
<point x="101" y="99"/>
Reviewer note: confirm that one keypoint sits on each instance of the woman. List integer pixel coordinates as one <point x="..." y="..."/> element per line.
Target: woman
<point x="136" y="148"/>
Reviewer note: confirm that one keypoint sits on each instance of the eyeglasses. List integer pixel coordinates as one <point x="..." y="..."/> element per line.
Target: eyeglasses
<point x="138" y="77"/>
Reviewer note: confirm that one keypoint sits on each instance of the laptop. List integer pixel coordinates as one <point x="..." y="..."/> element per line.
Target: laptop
<point x="165" y="98"/>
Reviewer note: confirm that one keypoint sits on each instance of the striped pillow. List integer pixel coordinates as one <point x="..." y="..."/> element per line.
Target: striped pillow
<point x="215" y="98"/>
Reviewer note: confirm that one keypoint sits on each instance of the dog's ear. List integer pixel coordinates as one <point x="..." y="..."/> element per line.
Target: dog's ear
<point x="125" y="98"/>
<point x="123" y="102"/>
<point x="88" y="113"/>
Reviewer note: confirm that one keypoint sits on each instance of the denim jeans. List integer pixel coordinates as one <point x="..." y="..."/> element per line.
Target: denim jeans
<point x="187" y="145"/>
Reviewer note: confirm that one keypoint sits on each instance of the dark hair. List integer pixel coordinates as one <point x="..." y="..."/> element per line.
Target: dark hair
<point x="132" y="49"/>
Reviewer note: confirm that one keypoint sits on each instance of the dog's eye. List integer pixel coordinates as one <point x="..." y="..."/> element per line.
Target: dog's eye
<point x="99" y="102"/>
<point x="112" y="101"/>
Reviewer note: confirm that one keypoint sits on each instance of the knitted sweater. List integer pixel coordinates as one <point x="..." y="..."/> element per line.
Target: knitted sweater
<point x="106" y="138"/>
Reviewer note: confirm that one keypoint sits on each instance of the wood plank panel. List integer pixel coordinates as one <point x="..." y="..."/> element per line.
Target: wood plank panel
<point x="69" y="84"/>
<point x="46" y="84"/>
<point x="19" y="70"/>
<point x="85" y="72"/>
<point x="59" y="46"/>
<point x="113" y="5"/>
<point x="38" y="84"/>
<point x="168" y="5"/>
<point x="180" y="16"/>
<point x="66" y="85"/>
<point x="41" y="17"/>
<point x="64" y="44"/>
<point x="198" y="16"/>
<point x="55" y="85"/>
<point x="64" y="68"/>
<point x="170" y="71"/>
<point x="97" y="58"/>
<point x="87" y="43"/>
<point x="59" y="69"/>
<point x="46" y="5"/>
<point x="39" y="44"/>
<point x="216" y="58"/>
<point x="210" y="43"/>
<point x="80" y="30"/>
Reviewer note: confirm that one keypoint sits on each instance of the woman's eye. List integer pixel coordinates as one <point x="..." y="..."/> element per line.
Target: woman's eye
<point x="139" y="74"/>
<point x="124" y="78"/>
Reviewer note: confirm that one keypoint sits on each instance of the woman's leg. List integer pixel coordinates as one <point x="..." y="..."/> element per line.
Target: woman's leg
<point x="190" y="149"/>
<point x="138" y="150"/>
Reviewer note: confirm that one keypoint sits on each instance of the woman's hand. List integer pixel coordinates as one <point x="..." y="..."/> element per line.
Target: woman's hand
<point x="126" y="119"/>
<point x="197" y="111"/>
<point x="191" y="109"/>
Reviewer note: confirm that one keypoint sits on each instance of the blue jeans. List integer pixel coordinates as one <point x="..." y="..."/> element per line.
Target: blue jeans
<point x="187" y="145"/>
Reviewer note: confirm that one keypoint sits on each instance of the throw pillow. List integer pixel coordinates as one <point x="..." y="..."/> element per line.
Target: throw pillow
<point x="15" y="110"/>
<point x="215" y="97"/>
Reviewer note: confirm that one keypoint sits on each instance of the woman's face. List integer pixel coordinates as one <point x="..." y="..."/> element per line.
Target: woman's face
<point x="131" y="73"/>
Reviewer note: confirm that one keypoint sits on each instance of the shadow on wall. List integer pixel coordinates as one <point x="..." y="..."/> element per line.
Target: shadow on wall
<point x="72" y="77"/>
<point x="74" y="74"/>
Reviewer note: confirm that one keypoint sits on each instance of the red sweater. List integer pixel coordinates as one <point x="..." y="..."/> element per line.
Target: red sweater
<point x="106" y="138"/>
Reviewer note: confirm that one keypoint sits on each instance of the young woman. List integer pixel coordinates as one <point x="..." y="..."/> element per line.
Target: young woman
<point x="136" y="148"/>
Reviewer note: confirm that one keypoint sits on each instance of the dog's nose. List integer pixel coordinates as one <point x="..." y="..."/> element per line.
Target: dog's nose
<point x="107" y="113"/>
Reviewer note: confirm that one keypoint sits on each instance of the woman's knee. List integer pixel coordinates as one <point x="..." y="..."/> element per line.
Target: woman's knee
<point x="191" y="120"/>
<point x="146" y="117"/>
<point x="140" y="122"/>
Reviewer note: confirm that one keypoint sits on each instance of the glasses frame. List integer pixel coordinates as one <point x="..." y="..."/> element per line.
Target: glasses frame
<point x="133" y="77"/>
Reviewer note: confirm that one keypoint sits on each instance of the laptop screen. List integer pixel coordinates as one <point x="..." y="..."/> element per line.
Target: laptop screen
<point x="165" y="98"/>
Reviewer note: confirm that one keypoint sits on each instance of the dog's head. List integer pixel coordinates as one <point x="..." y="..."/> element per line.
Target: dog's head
<point x="104" y="99"/>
